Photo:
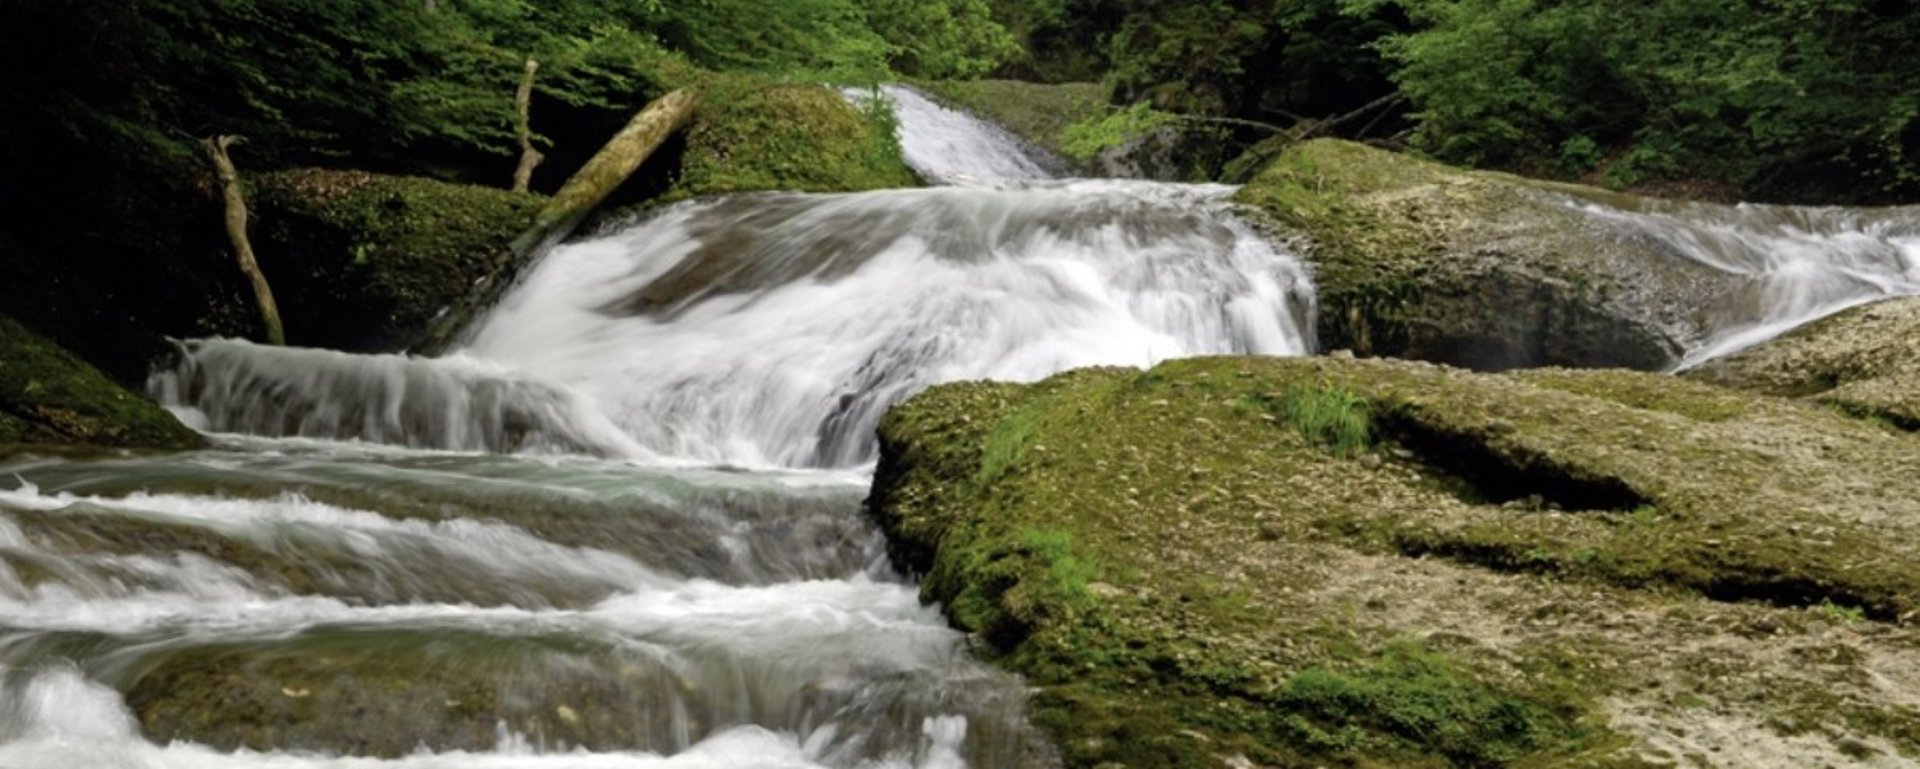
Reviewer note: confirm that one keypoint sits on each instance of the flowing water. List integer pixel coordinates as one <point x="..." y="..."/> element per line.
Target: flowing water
<point x="1789" y="265"/>
<point x="622" y="526"/>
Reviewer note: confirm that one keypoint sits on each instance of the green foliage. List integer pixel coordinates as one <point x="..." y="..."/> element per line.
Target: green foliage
<point x="307" y="81"/>
<point x="809" y="39"/>
<point x="1038" y="112"/>
<point x="940" y="38"/>
<point x="1412" y="699"/>
<point x="1749" y="92"/>
<point x="1843" y="614"/>
<point x="1336" y="418"/>
<point x="386" y="82"/>
<point x="1253" y="59"/>
<point x="1088" y="137"/>
<point x="1782" y="98"/>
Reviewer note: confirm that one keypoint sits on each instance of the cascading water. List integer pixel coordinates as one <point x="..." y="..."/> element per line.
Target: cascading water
<point x="544" y="551"/>
<point x="950" y="147"/>
<point x="1793" y="264"/>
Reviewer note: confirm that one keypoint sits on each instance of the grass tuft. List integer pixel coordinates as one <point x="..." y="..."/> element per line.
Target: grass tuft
<point x="1332" y="417"/>
<point x="1413" y="699"/>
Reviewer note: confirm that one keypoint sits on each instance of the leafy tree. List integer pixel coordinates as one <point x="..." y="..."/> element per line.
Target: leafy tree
<point x="940" y="38"/>
<point x="1771" y="95"/>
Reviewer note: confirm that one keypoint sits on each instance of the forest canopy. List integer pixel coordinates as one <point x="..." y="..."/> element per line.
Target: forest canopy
<point x="1778" y="99"/>
<point x="1794" y="99"/>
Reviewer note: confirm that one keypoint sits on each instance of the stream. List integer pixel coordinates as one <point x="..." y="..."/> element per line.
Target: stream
<point x="622" y="525"/>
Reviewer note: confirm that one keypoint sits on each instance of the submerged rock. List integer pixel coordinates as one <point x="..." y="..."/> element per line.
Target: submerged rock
<point x="1297" y="561"/>
<point x="1419" y="260"/>
<point x="364" y="262"/>
<point x="47" y="395"/>
<point x="1865" y="361"/>
<point x="386" y="692"/>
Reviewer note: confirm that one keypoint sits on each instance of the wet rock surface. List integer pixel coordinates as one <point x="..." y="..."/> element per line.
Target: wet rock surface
<point x="1865" y="361"/>
<point x="1547" y="568"/>
<point x="1418" y="260"/>
<point x="385" y="693"/>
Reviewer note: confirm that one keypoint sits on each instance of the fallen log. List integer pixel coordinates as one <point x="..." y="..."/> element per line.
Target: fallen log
<point x="604" y="172"/>
<point x="587" y="188"/>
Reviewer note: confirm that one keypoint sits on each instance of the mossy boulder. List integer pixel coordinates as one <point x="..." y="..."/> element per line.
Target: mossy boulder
<point x="753" y="134"/>
<point x="1414" y="259"/>
<point x="47" y="395"/>
<point x="1865" y="361"/>
<point x="365" y="262"/>
<point x="1293" y="562"/>
<point x="387" y="692"/>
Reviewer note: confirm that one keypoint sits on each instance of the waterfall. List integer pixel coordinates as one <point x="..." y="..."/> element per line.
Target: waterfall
<point x="622" y="527"/>
<point x="947" y="146"/>
<point x="774" y="329"/>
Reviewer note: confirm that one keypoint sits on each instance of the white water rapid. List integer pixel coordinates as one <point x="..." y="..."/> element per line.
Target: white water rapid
<point x="622" y="527"/>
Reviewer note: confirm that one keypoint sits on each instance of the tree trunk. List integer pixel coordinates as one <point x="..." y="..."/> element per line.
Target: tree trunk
<point x="523" y="127"/>
<point x="616" y="161"/>
<point x="236" y="218"/>
<point x="608" y="168"/>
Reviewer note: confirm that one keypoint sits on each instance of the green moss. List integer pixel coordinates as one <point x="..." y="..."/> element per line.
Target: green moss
<point x="365" y="262"/>
<point x="385" y="692"/>
<point x="752" y="133"/>
<point x="47" y="395"/>
<point x="1067" y="574"/>
<point x="1005" y="445"/>
<point x="1410" y="700"/>
<point x="1418" y="260"/>
<point x="1186" y="574"/>
<point x="1688" y="399"/>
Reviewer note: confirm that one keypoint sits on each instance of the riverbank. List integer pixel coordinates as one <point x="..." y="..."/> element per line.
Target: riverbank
<point x="1279" y="562"/>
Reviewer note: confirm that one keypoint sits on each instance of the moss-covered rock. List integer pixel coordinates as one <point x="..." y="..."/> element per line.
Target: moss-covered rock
<point x="364" y="262"/>
<point x="1415" y="259"/>
<point x="49" y="396"/>
<point x="1297" y="562"/>
<point x="755" y="134"/>
<point x="1865" y="361"/>
<point x="385" y="693"/>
